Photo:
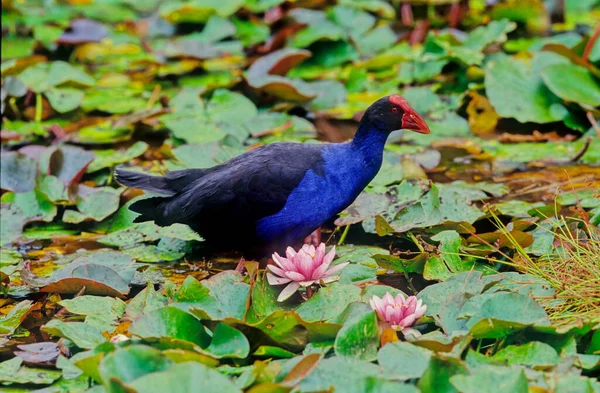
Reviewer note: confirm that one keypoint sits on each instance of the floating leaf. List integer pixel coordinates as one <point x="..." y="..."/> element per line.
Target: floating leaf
<point x="185" y="378"/>
<point x="265" y="73"/>
<point x="516" y="90"/>
<point x="41" y="354"/>
<point x="404" y="360"/>
<point x="491" y="380"/>
<point x="83" y="335"/>
<point x="12" y="372"/>
<point x="128" y="364"/>
<point x="572" y="83"/>
<point x="228" y="342"/>
<point x="170" y="322"/>
<point x="224" y="295"/>
<point x="11" y="321"/>
<point x="359" y="335"/>
<point x="17" y="172"/>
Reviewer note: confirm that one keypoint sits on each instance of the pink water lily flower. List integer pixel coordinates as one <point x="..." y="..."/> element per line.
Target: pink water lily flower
<point x="399" y="312"/>
<point x="302" y="268"/>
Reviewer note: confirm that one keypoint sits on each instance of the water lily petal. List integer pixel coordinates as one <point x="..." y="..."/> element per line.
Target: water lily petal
<point x="327" y="280"/>
<point x="290" y="253"/>
<point x="421" y="309"/>
<point x="400" y="299"/>
<point x="288" y="291"/>
<point x="304" y="264"/>
<point x="336" y="268"/>
<point x="320" y="254"/>
<point x="389" y="299"/>
<point x="274" y="280"/>
<point x="276" y="270"/>
<point x="295" y="276"/>
<point x="408" y="320"/>
<point x="306" y="283"/>
<point x="283" y="263"/>
<point x="411" y="333"/>
<point x="329" y="257"/>
<point x="411" y="305"/>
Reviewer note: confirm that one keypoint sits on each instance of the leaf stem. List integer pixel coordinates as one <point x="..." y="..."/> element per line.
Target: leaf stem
<point x="344" y="234"/>
<point x="38" y="107"/>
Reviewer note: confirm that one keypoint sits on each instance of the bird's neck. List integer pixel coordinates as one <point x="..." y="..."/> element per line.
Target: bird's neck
<point x="369" y="142"/>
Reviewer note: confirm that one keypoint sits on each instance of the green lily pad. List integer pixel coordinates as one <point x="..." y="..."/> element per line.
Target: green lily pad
<point x="82" y="334"/>
<point x="328" y="302"/>
<point x="224" y="295"/>
<point x="128" y="364"/>
<point x="228" y="342"/>
<point x="34" y="204"/>
<point x="492" y="380"/>
<point x="17" y="172"/>
<point x="359" y="335"/>
<point x="516" y="90"/>
<point x="533" y="354"/>
<point x="404" y="360"/>
<point x="110" y="157"/>
<point x="11" y="371"/>
<point x="170" y="322"/>
<point x="185" y="377"/>
<point x="504" y="313"/>
<point x="11" y="321"/>
<point x="101" y="312"/>
<point x="572" y="83"/>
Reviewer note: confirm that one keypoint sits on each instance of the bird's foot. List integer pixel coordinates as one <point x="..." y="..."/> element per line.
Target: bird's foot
<point x="314" y="239"/>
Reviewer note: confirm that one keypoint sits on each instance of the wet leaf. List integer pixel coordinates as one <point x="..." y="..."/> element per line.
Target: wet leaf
<point x="404" y="360"/>
<point x="12" y="372"/>
<point x="34" y="205"/>
<point x="145" y="301"/>
<point x="83" y="30"/>
<point x="328" y="302"/>
<point x="222" y="296"/>
<point x="572" y="83"/>
<point x="491" y="380"/>
<point x="170" y="322"/>
<point x="185" y="377"/>
<point x="228" y="342"/>
<point x="101" y="312"/>
<point x="95" y="204"/>
<point x="110" y="157"/>
<point x="11" y="321"/>
<point x="516" y="90"/>
<point x="359" y="335"/>
<point x="504" y="313"/>
<point x="12" y="221"/>
<point x="83" y="335"/>
<point x="265" y="75"/>
<point x="128" y="364"/>
<point x="68" y="163"/>
<point x="17" y="172"/>
<point x="533" y="354"/>
<point x="42" y="354"/>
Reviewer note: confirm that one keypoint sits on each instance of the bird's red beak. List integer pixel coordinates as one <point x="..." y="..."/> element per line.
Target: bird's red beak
<point x="411" y="119"/>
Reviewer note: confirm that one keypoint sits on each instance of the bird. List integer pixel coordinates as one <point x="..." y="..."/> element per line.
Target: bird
<point x="275" y="195"/>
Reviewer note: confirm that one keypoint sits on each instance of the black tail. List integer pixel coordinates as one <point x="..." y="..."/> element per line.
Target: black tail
<point x="153" y="209"/>
<point x="168" y="185"/>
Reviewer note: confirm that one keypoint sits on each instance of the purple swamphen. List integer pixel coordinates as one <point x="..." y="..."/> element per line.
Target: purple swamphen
<point x="277" y="194"/>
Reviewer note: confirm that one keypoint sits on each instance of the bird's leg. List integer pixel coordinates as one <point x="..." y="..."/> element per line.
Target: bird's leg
<point x="314" y="238"/>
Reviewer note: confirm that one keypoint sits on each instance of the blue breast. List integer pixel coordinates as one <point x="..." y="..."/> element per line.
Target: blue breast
<point x="348" y="168"/>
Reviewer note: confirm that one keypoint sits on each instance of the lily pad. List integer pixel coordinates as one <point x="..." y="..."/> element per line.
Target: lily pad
<point x="185" y="377"/>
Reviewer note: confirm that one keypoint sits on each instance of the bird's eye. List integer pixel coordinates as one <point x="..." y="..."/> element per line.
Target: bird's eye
<point x="394" y="109"/>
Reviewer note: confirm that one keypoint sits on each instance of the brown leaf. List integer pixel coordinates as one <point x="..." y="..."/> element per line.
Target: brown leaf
<point x="39" y="354"/>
